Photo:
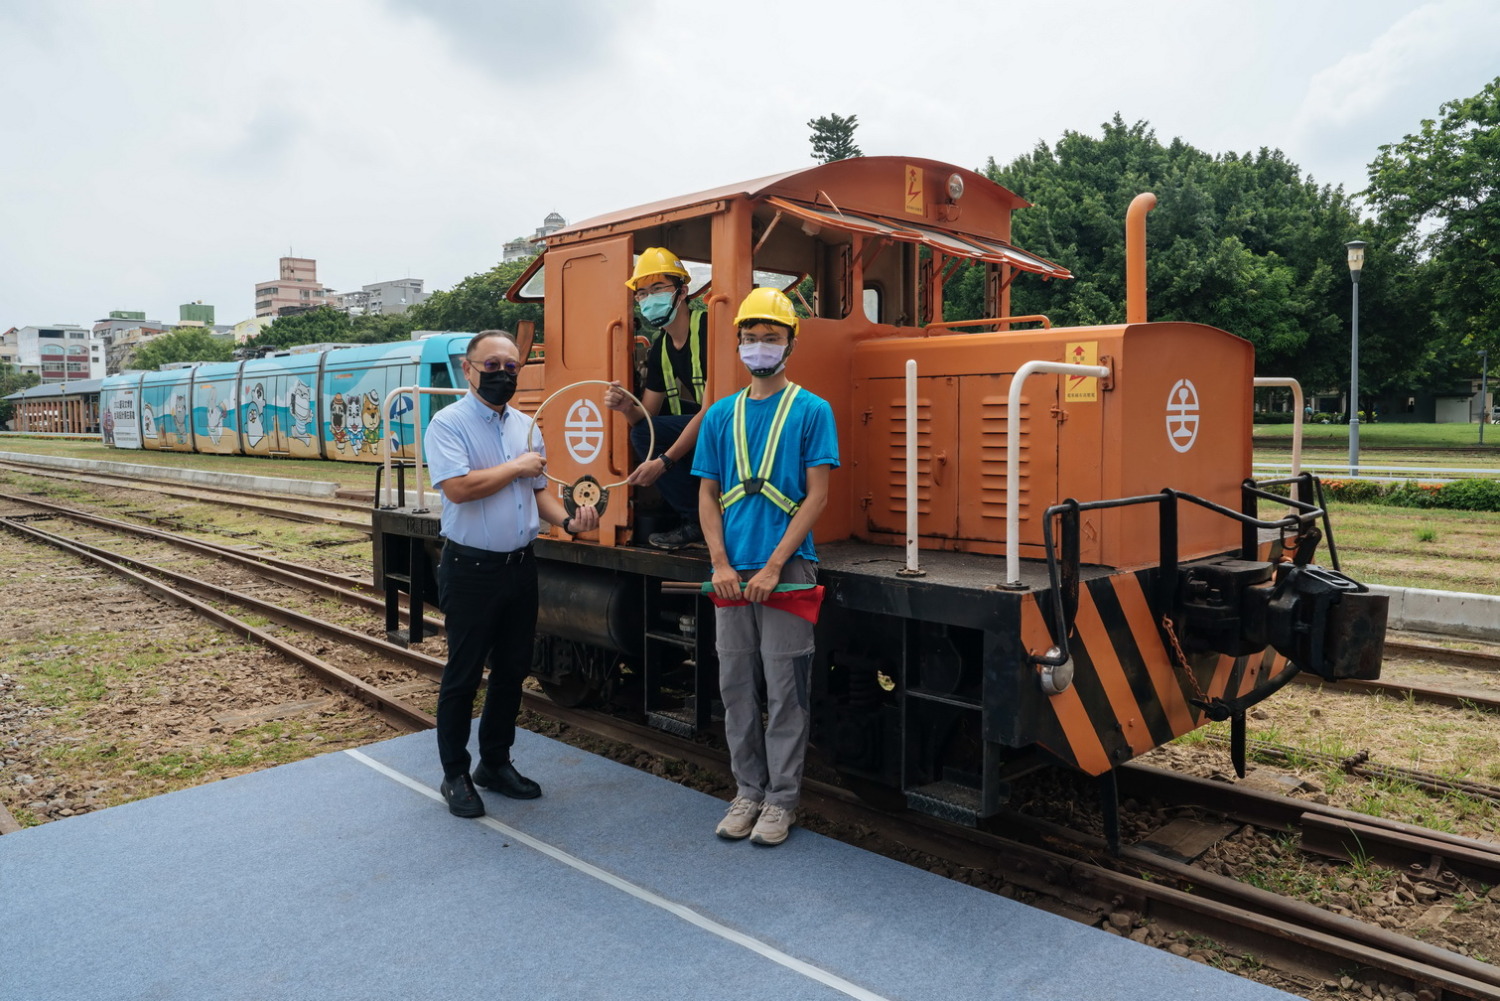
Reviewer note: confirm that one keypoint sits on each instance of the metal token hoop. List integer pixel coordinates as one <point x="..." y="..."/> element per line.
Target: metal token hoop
<point x="587" y="485"/>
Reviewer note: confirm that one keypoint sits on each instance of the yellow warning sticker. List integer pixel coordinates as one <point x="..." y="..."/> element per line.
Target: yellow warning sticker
<point x="914" y="199"/>
<point x="1081" y="388"/>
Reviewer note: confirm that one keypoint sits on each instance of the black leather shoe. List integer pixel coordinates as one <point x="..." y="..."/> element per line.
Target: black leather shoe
<point x="507" y="781"/>
<point x="463" y="800"/>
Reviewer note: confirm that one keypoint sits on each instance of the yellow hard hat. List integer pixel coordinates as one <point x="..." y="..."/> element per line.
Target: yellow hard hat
<point x="767" y="304"/>
<point x="656" y="261"/>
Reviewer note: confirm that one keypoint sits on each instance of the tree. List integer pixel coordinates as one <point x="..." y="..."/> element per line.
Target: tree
<point x="1244" y="242"/>
<point x="478" y="303"/>
<point x="324" y="325"/>
<point x="184" y="344"/>
<point x="12" y="380"/>
<point x="833" y="138"/>
<point x="1436" y="192"/>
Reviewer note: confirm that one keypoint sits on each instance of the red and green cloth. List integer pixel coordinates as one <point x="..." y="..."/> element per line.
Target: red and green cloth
<point x="802" y="600"/>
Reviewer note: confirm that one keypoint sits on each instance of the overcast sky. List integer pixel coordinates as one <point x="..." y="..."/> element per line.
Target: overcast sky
<point x="156" y="153"/>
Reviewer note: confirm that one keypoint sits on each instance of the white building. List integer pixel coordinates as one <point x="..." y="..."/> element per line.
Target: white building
<point x="395" y="296"/>
<point x="61" y="352"/>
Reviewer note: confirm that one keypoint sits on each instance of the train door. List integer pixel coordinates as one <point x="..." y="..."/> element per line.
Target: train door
<point x="214" y="414"/>
<point x="165" y="424"/>
<point x="256" y="393"/>
<point x="589" y="316"/>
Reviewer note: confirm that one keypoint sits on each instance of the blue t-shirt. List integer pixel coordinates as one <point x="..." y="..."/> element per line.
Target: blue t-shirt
<point x="754" y="526"/>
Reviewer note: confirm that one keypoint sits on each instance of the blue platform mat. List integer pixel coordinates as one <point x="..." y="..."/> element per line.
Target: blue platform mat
<point x="344" y="876"/>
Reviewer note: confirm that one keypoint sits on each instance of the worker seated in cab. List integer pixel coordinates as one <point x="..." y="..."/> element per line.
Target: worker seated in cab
<point x="676" y="372"/>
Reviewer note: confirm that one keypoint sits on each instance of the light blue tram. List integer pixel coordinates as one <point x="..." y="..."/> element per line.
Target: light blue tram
<point x="322" y="402"/>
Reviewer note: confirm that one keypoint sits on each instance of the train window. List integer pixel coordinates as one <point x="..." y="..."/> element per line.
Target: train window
<point x="872" y="303"/>
<point x="532" y="290"/>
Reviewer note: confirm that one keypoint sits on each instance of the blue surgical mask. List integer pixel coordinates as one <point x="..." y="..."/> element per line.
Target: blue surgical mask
<point x="659" y="308"/>
<point x="763" y="359"/>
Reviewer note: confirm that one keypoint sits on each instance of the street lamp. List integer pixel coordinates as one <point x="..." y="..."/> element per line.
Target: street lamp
<point x="1356" y="264"/>
<point x="1484" y="391"/>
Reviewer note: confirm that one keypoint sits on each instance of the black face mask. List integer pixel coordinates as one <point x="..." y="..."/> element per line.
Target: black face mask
<point x="496" y="388"/>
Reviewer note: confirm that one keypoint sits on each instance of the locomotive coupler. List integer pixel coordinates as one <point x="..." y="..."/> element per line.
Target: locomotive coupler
<point x="1319" y="619"/>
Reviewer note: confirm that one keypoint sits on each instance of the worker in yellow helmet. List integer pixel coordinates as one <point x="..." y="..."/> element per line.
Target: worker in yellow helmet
<point x="676" y="372"/>
<point x="764" y="456"/>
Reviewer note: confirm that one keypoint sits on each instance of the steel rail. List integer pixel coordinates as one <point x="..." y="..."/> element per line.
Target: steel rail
<point x="328" y="502"/>
<point x="342" y="586"/>
<point x="1480" y="659"/>
<point x="1407" y="690"/>
<point x="1327" y="830"/>
<point x="394" y="710"/>
<point x="426" y="664"/>
<point x="192" y="493"/>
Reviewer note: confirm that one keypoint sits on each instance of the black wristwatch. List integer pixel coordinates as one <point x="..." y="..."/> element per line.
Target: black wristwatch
<point x="667" y="462"/>
<point x="568" y="521"/>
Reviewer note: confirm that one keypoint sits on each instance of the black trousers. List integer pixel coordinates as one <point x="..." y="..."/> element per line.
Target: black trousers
<point x="489" y="610"/>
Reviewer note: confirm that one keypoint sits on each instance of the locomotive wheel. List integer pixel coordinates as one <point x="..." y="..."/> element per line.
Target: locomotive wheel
<point x="572" y="691"/>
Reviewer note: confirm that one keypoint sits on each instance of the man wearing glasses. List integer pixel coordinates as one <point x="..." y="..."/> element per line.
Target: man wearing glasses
<point x="676" y="371"/>
<point x="764" y="457"/>
<point x="493" y="492"/>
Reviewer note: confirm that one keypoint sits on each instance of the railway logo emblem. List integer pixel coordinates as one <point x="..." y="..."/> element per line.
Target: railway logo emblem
<point x="1182" y="415"/>
<point x="583" y="429"/>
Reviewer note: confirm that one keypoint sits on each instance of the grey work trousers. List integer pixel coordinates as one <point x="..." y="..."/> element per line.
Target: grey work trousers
<point x="765" y="663"/>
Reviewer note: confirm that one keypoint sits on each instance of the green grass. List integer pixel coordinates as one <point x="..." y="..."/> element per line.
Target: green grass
<point x="1383" y="434"/>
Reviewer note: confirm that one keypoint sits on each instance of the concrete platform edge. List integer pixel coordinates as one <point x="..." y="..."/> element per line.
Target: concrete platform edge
<point x="1452" y="613"/>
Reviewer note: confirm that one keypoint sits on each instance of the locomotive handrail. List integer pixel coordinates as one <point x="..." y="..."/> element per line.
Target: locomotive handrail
<point x="1045" y="321"/>
<point x="1013" y="457"/>
<point x="1296" y="388"/>
<point x="911" y="569"/>
<point x="1063" y="581"/>
<point x="416" y="427"/>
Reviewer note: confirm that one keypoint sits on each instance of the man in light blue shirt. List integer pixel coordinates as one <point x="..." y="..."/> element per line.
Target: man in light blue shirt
<point x="494" y="496"/>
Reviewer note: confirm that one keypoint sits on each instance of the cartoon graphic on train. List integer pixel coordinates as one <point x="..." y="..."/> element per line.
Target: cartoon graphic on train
<point x="301" y="411"/>
<point x="338" y="421"/>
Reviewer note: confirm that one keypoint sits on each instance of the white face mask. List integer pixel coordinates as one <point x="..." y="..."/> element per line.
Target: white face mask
<point x="763" y="359"/>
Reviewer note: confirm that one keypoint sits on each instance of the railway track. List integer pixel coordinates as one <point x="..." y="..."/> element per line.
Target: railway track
<point x="1056" y="866"/>
<point x="307" y="510"/>
<point x="213" y="599"/>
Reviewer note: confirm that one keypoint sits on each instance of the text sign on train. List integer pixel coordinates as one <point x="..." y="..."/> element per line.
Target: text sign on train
<point x="913" y="190"/>
<point x="583" y="430"/>
<point x="1182" y="415"/>
<point x="1081" y="388"/>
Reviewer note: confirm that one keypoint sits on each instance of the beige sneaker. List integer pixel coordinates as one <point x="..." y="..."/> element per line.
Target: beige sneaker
<point x="774" y="825"/>
<point x="740" y="819"/>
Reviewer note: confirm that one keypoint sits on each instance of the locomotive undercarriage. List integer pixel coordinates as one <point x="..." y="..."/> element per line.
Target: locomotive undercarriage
<point x="945" y="688"/>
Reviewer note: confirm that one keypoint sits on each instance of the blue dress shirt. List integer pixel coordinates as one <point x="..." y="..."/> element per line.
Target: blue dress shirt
<point x="468" y="435"/>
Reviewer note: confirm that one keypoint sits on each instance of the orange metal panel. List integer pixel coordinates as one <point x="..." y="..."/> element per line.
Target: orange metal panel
<point x="1111" y="674"/>
<point x="1084" y="746"/>
<point x="880" y="476"/>
<point x="1181" y="716"/>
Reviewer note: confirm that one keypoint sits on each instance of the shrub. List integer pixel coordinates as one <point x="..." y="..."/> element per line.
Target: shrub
<point x="1412" y="494"/>
<point x="1470" y="495"/>
<point x="1273" y="417"/>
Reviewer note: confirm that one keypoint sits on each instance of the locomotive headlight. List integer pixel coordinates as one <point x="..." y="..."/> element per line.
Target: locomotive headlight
<point x="955" y="187"/>
<point x="1055" y="679"/>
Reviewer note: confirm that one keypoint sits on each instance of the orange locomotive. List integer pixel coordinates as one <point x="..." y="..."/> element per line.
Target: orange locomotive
<point x="1083" y="575"/>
